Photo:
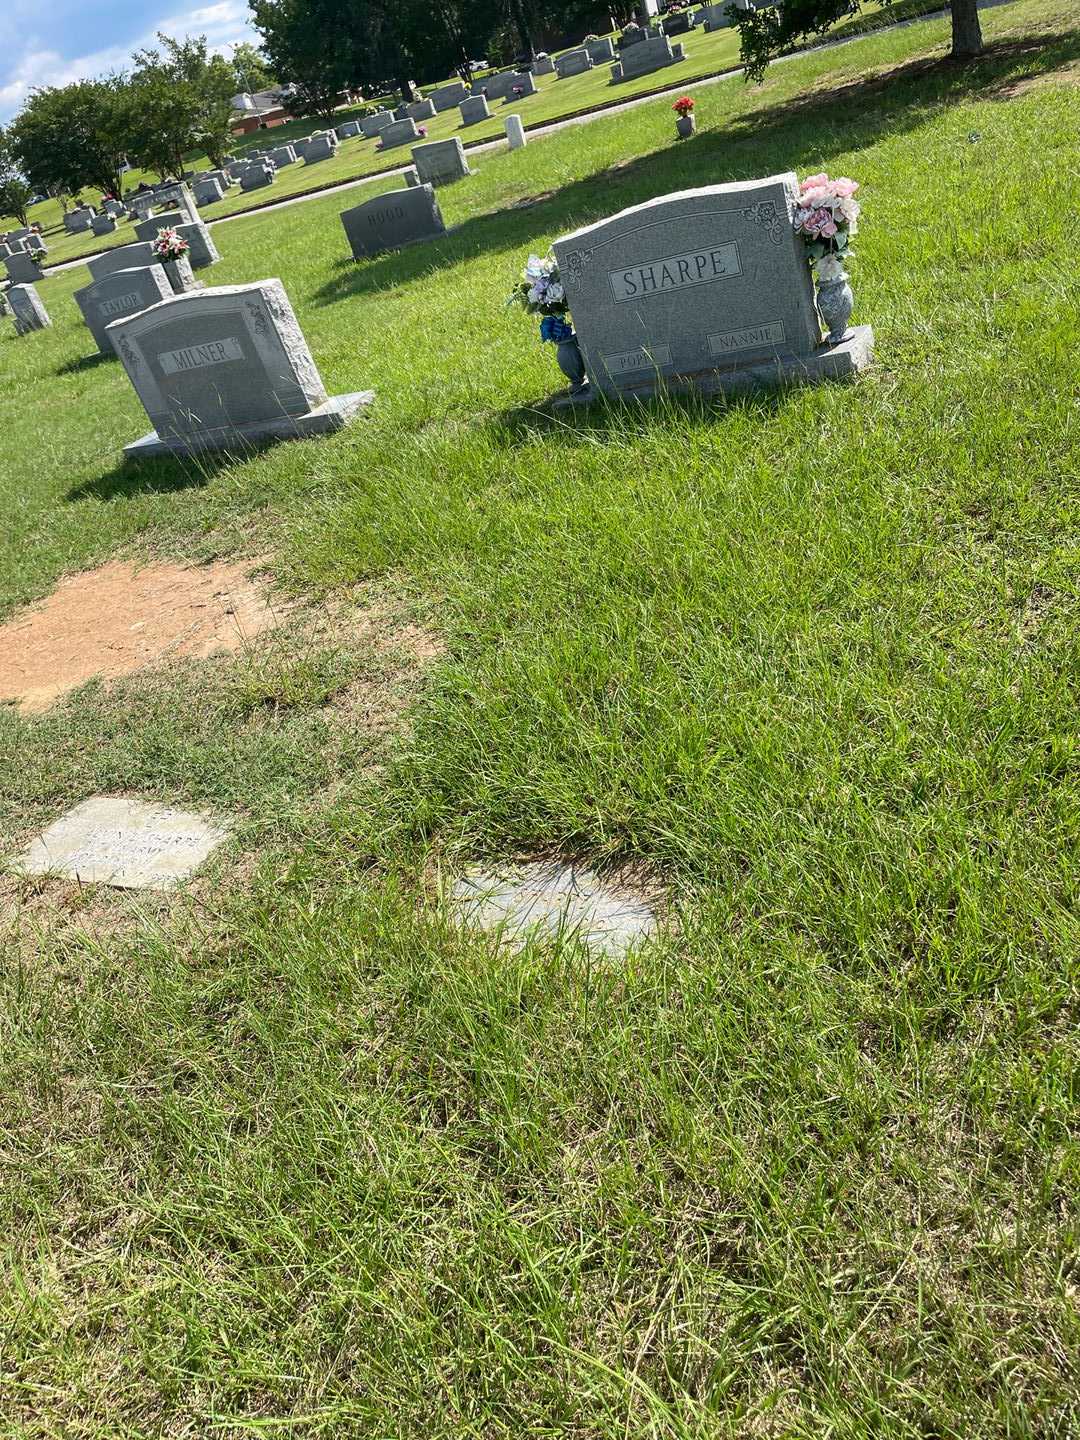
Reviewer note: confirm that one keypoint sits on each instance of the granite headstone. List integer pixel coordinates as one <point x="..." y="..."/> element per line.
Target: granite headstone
<point x="392" y="221"/>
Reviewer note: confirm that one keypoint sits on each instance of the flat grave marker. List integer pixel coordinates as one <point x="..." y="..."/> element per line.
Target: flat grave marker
<point x="128" y="844"/>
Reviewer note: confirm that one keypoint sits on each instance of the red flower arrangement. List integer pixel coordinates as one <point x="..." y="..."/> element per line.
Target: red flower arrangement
<point x="683" y="106"/>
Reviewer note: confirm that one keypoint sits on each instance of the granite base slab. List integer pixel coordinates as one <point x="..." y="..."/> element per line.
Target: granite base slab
<point x="333" y="414"/>
<point x="844" y="361"/>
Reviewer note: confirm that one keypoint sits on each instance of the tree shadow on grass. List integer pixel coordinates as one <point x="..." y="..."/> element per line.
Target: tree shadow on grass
<point x="790" y="135"/>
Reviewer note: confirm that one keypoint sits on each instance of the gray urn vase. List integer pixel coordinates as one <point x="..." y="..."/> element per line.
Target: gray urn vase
<point x="835" y="303"/>
<point x="572" y="364"/>
<point x="685" y="125"/>
<point x="180" y="274"/>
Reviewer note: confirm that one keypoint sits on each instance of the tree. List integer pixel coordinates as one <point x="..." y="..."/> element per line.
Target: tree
<point x="765" y="32"/>
<point x="75" y="135"/>
<point x="15" y="193"/>
<point x="202" y="86"/>
<point x="308" y="45"/>
<point x="166" y="114"/>
<point x="250" y="69"/>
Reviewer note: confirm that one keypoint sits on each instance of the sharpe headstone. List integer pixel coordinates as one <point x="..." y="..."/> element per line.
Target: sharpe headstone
<point x="411" y="178"/>
<point x="225" y="369"/>
<point x="524" y="86"/>
<point x="76" y="221"/>
<point x="125" y="843"/>
<point x="706" y="290"/>
<point x="393" y="220"/>
<point x="29" y="312"/>
<point x="123" y="293"/>
<point x="680" y="23"/>
<point x="474" y="110"/>
<point x="201" y="249"/>
<point x="440" y="162"/>
<point x="177" y="197"/>
<point x="715" y="17"/>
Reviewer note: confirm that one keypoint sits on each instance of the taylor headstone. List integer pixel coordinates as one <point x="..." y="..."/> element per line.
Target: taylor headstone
<point x="393" y="220"/>
<point x="123" y="293"/>
<point x="705" y="290"/>
<point x="129" y="844"/>
<point x="440" y="162"/>
<point x="226" y="369"/>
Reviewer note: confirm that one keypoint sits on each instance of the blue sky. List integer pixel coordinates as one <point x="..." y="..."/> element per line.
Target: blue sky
<point x="57" y="41"/>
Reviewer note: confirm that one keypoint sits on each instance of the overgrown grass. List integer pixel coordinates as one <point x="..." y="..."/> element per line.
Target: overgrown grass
<point x="296" y="1156"/>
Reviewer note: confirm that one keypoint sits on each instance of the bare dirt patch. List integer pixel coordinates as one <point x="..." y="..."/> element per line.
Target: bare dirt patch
<point x="116" y="620"/>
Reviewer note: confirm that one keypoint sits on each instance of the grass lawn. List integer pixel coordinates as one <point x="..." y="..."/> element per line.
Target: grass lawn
<point x="291" y="1154"/>
<point x="706" y="54"/>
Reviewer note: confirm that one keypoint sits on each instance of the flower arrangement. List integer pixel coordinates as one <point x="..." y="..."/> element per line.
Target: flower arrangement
<point x="684" y="106"/>
<point x="422" y="130"/>
<point x="827" y="216"/>
<point x="540" y="292"/>
<point x="168" y="245"/>
<point x="519" y="90"/>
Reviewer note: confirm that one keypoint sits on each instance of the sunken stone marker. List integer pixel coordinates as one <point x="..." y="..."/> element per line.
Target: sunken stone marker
<point x="440" y="162"/>
<point x="474" y="110"/>
<point x="29" y="312"/>
<point x="225" y="369"/>
<point x="401" y="217"/>
<point x="125" y="843"/>
<point x="124" y="292"/>
<point x="399" y="132"/>
<point x="704" y="290"/>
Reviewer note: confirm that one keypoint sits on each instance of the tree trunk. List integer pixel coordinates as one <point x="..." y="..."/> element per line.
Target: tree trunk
<point x="967" y="40"/>
<point x="521" y="24"/>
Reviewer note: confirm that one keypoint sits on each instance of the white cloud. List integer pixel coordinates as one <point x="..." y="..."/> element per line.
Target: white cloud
<point x="31" y="63"/>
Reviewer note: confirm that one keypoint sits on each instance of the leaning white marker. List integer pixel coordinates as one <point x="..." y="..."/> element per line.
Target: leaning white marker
<point x="226" y="368"/>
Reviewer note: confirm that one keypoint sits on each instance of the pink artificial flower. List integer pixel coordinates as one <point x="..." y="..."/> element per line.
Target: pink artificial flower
<point x="844" y="187"/>
<point x="812" y="181"/>
<point x="828" y="230"/>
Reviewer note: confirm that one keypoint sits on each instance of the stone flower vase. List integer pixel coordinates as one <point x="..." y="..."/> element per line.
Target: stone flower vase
<point x="180" y="274"/>
<point x="835" y="303"/>
<point x="685" y="125"/>
<point x="572" y="364"/>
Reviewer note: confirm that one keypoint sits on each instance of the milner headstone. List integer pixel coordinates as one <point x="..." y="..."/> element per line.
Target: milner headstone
<point x="123" y="293"/>
<point x="474" y="110"/>
<point x="29" y="312"/>
<point x="440" y="162"/>
<point x="399" y="132"/>
<point x="706" y="290"/>
<point x="392" y="221"/>
<point x="226" y="369"/>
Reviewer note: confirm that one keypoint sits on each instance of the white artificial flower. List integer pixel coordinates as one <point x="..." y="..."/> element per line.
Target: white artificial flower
<point x="830" y="267"/>
<point x="536" y="295"/>
<point x="534" y="270"/>
<point x="555" y="293"/>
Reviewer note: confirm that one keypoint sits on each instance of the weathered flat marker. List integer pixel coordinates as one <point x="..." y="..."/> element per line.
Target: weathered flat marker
<point x="125" y="843"/>
<point x="553" y="898"/>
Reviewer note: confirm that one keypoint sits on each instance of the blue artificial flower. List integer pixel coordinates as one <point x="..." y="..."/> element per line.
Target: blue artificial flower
<point x="555" y="329"/>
